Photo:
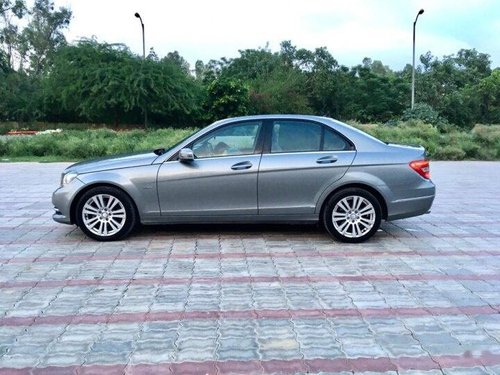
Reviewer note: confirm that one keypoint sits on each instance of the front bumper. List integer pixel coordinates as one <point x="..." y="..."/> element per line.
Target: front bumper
<point x="62" y="199"/>
<point x="60" y="218"/>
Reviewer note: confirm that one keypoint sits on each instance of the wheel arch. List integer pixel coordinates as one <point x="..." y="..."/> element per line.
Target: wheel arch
<point x="377" y="194"/>
<point x="88" y="187"/>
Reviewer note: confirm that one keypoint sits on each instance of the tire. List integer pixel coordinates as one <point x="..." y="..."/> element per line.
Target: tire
<point x="357" y="215"/>
<point x="105" y="213"/>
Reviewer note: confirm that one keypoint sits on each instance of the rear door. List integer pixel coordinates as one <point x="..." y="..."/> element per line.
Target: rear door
<point x="301" y="158"/>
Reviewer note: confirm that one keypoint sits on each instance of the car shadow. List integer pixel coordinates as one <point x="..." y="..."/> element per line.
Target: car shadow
<point x="221" y="229"/>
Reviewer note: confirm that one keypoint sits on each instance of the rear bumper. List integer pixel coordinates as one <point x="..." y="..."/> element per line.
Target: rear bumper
<point x="410" y="207"/>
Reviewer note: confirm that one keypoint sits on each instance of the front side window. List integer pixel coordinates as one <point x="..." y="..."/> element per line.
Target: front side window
<point x="230" y="140"/>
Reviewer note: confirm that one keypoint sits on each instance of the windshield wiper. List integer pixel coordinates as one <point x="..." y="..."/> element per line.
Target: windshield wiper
<point x="159" y="151"/>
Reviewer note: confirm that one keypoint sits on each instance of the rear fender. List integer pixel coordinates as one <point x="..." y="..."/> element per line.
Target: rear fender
<point x="357" y="179"/>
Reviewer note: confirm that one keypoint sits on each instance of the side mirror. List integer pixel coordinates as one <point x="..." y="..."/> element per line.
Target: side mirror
<point x="186" y="154"/>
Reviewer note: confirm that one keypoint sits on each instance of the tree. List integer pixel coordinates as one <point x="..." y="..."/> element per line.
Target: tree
<point x="43" y="35"/>
<point x="250" y="65"/>
<point x="377" y="97"/>
<point x="10" y="12"/>
<point x="19" y="97"/>
<point x="330" y="92"/>
<point x="275" y="84"/>
<point x="305" y="60"/>
<point x="226" y="98"/>
<point x="487" y="92"/>
<point x="281" y="91"/>
<point x="447" y="84"/>
<point x="91" y="81"/>
<point x="4" y="63"/>
<point x="152" y="55"/>
<point x="199" y="70"/>
<point x="169" y="92"/>
<point x="107" y="83"/>
<point x="325" y="81"/>
<point x="178" y="60"/>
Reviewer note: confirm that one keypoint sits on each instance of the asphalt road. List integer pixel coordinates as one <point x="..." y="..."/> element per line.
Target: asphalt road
<point x="423" y="296"/>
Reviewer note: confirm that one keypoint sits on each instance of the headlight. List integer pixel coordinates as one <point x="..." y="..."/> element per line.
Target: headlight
<point x="66" y="178"/>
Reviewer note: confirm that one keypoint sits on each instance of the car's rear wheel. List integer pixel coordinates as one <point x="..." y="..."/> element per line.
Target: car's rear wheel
<point x="105" y="213"/>
<point x="352" y="215"/>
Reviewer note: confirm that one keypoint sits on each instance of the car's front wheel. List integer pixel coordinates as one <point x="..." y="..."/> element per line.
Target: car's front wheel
<point x="105" y="213"/>
<point x="352" y="215"/>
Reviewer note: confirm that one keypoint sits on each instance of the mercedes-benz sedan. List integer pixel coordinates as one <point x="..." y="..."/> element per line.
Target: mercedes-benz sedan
<point x="255" y="169"/>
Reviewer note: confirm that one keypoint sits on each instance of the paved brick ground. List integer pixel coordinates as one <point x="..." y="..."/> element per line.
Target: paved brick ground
<point x="422" y="297"/>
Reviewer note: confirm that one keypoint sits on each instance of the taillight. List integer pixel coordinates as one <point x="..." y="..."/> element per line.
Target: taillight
<point x="422" y="168"/>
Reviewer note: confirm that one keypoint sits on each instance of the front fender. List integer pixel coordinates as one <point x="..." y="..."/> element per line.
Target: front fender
<point x="138" y="182"/>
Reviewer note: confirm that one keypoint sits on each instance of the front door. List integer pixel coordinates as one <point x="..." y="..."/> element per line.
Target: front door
<point x="221" y="180"/>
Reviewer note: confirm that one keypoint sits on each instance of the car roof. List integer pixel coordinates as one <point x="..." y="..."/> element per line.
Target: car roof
<point x="273" y="116"/>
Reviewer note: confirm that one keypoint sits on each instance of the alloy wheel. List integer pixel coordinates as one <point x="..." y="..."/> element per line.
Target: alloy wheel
<point x="353" y="216"/>
<point x="104" y="215"/>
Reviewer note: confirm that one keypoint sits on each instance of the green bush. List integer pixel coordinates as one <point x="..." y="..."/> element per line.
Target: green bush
<point x="4" y="147"/>
<point x="75" y="145"/>
<point x="425" y="113"/>
<point x="410" y="132"/>
<point x="5" y="127"/>
<point x="450" y="143"/>
<point x="449" y="153"/>
<point x="488" y="138"/>
<point x="446" y="143"/>
<point x="487" y="134"/>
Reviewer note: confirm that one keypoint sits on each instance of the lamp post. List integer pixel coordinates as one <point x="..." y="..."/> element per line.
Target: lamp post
<point x="421" y="11"/>
<point x="143" y="40"/>
<point x="137" y="15"/>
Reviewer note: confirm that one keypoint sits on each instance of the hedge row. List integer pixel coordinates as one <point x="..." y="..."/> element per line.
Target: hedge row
<point x="482" y="143"/>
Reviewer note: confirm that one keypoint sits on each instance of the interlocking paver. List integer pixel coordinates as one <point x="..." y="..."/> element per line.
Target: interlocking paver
<point x="423" y="296"/>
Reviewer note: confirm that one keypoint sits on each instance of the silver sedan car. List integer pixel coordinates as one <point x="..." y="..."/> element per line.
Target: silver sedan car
<point x="254" y="169"/>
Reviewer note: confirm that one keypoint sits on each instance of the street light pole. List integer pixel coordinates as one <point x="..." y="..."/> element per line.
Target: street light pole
<point x="143" y="39"/>
<point x="137" y="15"/>
<point x="421" y="11"/>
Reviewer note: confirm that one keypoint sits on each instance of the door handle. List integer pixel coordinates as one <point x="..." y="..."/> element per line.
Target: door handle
<point x="241" y="165"/>
<point x="327" y="160"/>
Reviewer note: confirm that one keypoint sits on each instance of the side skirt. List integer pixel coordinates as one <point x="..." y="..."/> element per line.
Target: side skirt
<point x="230" y="219"/>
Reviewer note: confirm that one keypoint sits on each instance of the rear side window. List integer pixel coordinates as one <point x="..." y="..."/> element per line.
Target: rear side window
<point x="334" y="141"/>
<point x="295" y="136"/>
<point x="304" y="136"/>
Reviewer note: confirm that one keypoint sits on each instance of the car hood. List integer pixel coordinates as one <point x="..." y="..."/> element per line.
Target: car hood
<point x="113" y="162"/>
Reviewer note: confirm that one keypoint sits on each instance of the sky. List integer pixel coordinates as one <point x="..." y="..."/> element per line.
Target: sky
<point x="351" y="30"/>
